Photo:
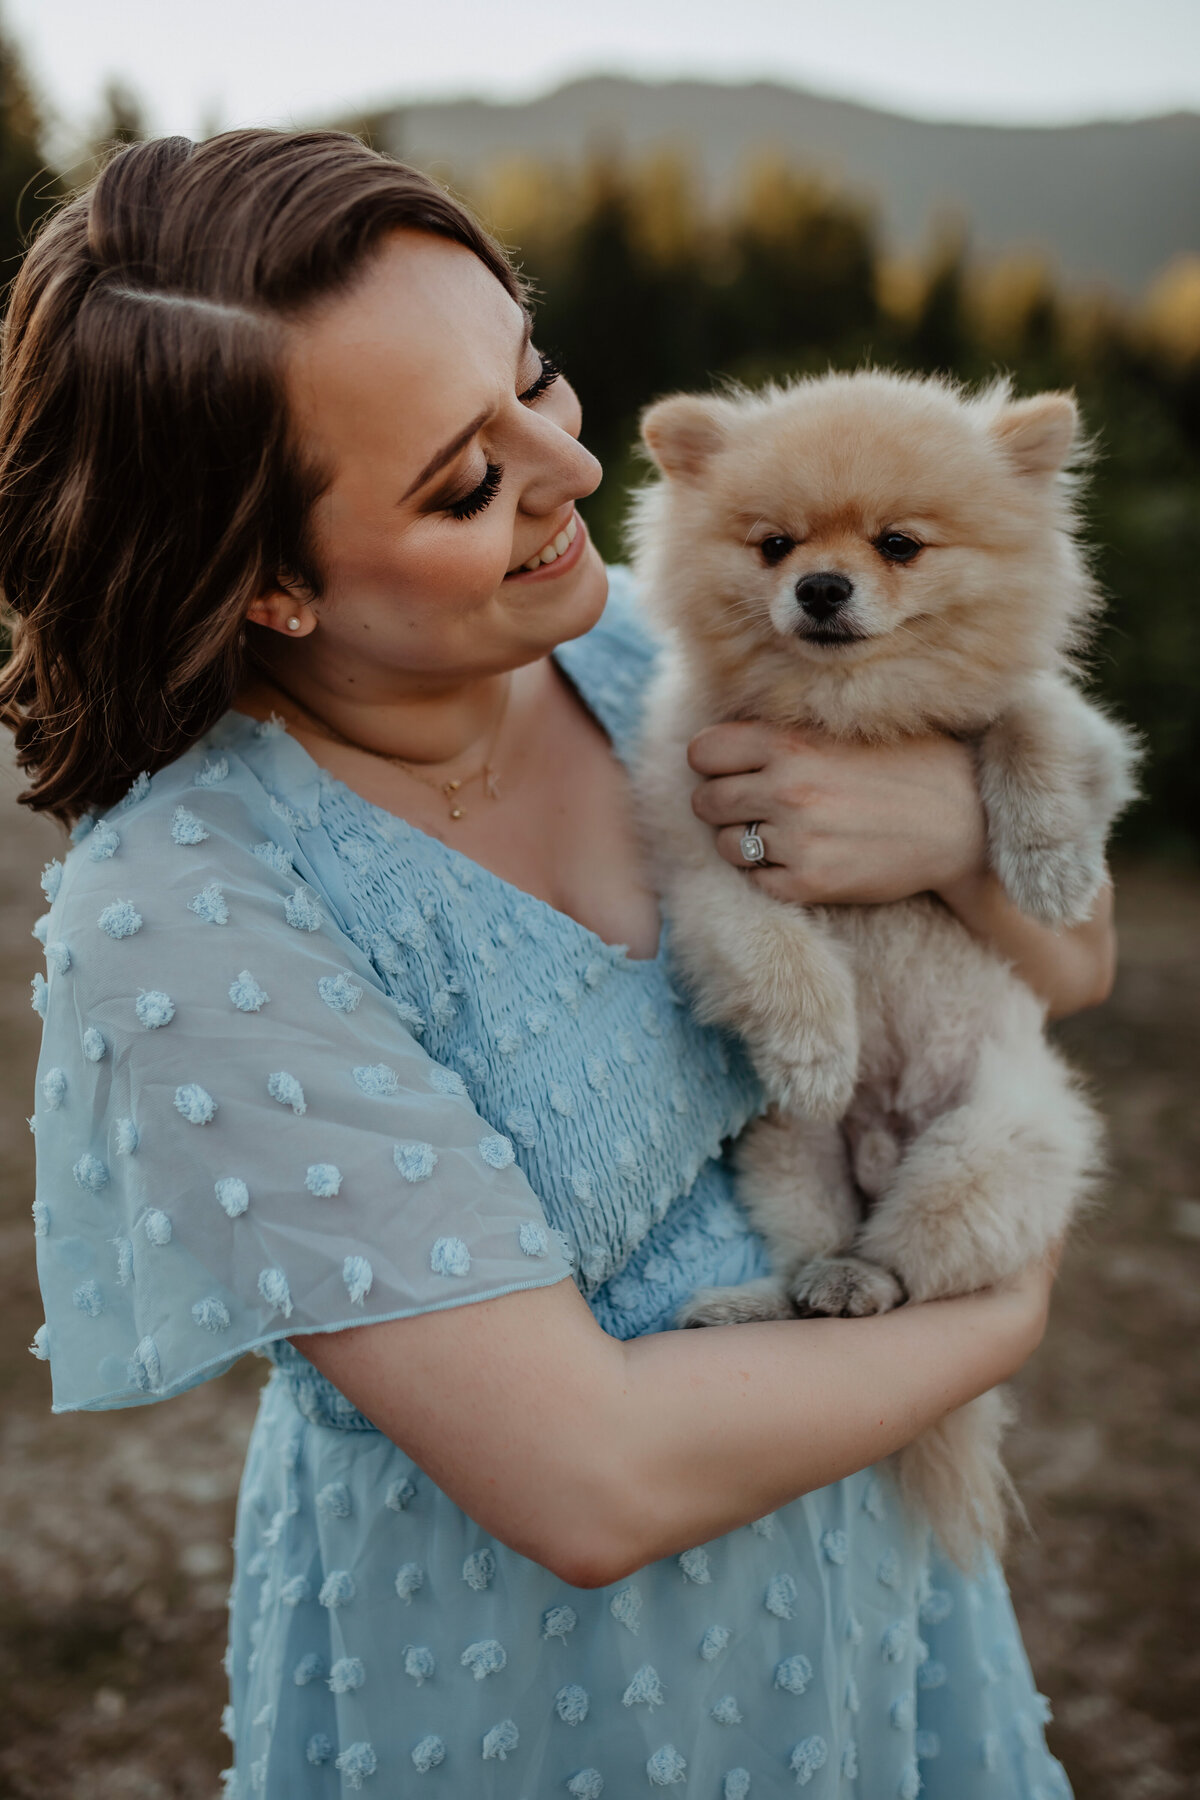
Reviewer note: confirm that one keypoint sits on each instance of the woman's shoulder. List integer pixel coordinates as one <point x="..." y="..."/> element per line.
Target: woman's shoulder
<point x="228" y="835"/>
<point x="232" y="762"/>
<point x="244" y="799"/>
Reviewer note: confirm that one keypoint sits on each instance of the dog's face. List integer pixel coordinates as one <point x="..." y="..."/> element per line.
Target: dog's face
<point x="866" y="534"/>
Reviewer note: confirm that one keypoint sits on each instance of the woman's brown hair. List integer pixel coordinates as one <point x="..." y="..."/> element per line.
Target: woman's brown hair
<point x="149" y="488"/>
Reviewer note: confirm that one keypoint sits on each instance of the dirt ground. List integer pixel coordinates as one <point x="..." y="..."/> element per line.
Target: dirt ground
<point x="115" y="1529"/>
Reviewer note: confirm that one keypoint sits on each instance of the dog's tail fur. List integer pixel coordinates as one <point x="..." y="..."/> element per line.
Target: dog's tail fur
<point x="955" y="1474"/>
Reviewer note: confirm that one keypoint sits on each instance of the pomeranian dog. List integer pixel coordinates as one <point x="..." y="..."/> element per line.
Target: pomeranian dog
<point x="877" y="556"/>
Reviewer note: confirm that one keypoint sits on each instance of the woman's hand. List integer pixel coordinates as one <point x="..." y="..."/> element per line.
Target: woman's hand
<point x="1025" y="1299"/>
<point x="842" y="822"/>
<point x="861" y="824"/>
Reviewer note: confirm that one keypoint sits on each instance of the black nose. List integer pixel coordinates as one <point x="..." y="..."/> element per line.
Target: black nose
<point x="824" y="594"/>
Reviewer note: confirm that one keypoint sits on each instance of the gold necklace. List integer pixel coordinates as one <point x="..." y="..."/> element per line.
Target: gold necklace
<point x="449" y="789"/>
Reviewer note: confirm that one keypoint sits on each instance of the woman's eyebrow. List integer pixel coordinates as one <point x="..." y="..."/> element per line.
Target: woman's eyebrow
<point x="446" y="453"/>
<point x="449" y="451"/>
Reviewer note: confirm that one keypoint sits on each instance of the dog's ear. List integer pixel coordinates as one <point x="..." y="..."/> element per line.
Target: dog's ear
<point x="1039" y="434"/>
<point x="683" y="431"/>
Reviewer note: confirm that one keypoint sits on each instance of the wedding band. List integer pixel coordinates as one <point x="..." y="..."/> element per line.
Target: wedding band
<point x="752" y="847"/>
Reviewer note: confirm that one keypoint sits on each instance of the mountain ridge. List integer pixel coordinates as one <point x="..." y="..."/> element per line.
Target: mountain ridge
<point x="1107" y="202"/>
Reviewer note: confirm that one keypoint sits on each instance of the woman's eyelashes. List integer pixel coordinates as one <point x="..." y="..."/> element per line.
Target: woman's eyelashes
<point x="480" y="496"/>
<point x="489" y="487"/>
<point x="549" y="375"/>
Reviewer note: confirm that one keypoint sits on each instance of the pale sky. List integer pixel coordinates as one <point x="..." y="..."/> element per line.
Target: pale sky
<point x="205" y="63"/>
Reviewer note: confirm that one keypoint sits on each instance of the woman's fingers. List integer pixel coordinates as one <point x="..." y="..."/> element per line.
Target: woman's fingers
<point x="729" y="844"/>
<point x="732" y="749"/>
<point x="1054" y="1254"/>
<point x="731" y="799"/>
<point x="1033" y="1287"/>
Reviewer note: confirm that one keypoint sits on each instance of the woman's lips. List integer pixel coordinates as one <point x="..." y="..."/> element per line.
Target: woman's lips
<point x="563" y="561"/>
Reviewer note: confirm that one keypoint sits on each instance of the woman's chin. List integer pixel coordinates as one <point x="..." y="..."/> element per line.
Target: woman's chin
<point x="591" y="583"/>
<point x="567" y="608"/>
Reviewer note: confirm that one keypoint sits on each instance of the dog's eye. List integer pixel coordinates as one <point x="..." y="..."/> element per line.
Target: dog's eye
<point x="897" y="547"/>
<point x="774" y="549"/>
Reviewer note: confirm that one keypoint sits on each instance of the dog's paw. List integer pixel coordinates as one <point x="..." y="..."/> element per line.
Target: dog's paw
<point x="809" y="1077"/>
<point x="746" y="1305"/>
<point x="843" y="1287"/>
<point x="1056" y="883"/>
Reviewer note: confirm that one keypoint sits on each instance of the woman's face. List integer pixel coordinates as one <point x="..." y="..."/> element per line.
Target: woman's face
<point x="455" y="460"/>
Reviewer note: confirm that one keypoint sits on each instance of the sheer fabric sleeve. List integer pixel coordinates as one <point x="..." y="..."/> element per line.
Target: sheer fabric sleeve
<point x="239" y="1138"/>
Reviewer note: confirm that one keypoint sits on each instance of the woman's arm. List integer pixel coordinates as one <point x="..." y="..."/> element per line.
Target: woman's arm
<point x="862" y="824"/>
<point x="1070" y="969"/>
<point x="594" y="1457"/>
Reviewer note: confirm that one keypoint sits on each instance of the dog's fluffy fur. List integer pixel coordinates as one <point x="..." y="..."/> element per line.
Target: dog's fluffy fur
<point x="923" y="1137"/>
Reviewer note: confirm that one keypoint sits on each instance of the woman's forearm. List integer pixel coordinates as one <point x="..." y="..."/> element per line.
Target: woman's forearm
<point x="1070" y="969"/>
<point x="726" y="1429"/>
<point x="594" y="1457"/>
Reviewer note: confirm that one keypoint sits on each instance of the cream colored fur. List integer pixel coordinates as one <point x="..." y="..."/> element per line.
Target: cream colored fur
<point x="924" y="1139"/>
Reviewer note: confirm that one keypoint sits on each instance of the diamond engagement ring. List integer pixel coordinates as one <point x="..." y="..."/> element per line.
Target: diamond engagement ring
<point x="752" y="847"/>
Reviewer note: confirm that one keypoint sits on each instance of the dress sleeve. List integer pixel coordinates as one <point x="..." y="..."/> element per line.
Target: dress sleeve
<point x="239" y="1136"/>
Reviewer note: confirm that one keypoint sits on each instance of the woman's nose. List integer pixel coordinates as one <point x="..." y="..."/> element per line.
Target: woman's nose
<point x="562" y="468"/>
<point x="590" y="473"/>
<point x="571" y="476"/>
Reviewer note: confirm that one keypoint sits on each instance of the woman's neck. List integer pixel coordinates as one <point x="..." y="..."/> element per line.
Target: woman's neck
<point x="435" y="726"/>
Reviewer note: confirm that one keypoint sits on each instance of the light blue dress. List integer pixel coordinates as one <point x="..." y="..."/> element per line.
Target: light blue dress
<point x="303" y="1068"/>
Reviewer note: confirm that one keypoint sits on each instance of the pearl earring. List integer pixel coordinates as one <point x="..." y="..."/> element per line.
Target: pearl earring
<point x="293" y="623"/>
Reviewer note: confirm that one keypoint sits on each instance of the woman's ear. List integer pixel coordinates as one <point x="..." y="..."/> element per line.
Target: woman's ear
<point x="285" y="608"/>
<point x="683" y="432"/>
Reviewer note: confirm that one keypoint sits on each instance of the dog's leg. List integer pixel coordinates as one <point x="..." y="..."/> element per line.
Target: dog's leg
<point x="979" y="1194"/>
<point x="1054" y="773"/>
<point x="989" y="1185"/>
<point x="794" y="1182"/>
<point x="766" y="970"/>
<point x="772" y="974"/>
<point x="832" y="1283"/>
<point x="843" y="1287"/>
<point x="749" y="1304"/>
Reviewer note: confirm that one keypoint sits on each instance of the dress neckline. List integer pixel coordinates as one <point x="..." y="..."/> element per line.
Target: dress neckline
<point x="307" y="774"/>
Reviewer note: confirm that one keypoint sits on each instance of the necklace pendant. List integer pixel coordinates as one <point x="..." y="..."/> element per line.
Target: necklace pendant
<point x="456" y="812"/>
<point x="451" y="787"/>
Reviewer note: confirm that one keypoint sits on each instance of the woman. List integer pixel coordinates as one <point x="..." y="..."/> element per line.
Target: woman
<point x="360" y="1037"/>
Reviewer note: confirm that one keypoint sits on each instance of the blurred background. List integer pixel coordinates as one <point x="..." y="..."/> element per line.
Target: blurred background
<point x="700" y="192"/>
